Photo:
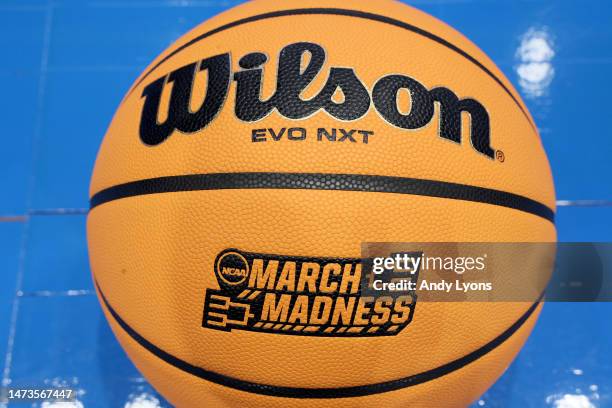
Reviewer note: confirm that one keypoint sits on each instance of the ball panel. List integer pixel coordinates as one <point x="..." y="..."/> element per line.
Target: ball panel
<point x="166" y="275"/>
<point x="226" y="144"/>
<point x="456" y="389"/>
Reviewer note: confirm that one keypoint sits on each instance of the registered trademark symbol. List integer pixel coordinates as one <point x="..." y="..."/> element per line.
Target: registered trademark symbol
<point x="500" y="156"/>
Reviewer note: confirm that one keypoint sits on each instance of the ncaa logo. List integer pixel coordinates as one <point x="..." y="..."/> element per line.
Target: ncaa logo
<point x="232" y="268"/>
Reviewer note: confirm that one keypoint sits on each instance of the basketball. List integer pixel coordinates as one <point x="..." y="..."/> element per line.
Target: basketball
<point x="247" y="165"/>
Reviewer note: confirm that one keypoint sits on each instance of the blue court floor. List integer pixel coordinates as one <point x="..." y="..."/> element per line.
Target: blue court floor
<point x="64" y="67"/>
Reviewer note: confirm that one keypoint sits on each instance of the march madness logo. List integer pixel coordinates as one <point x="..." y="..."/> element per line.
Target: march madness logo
<point x="305" y="296"/>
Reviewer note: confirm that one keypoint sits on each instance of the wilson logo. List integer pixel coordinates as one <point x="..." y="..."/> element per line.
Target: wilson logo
<point x="293" y="76"/>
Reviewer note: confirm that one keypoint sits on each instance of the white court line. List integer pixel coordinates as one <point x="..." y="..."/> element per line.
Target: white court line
<point x="584" y="203"/>
<point x="44" y="62"/>
<point x="85" y="211"/>
<point x="59" y="211"/>
<point x="52" y="293"/>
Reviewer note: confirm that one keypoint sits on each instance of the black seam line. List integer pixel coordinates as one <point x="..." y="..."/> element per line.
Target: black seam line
<point x="322" y="181"/>
<point x="348" y="13"/>
<point x="339" y="392"/>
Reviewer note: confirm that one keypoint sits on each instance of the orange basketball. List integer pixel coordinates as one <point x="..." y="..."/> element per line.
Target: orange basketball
<point x="247" y="164"/>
